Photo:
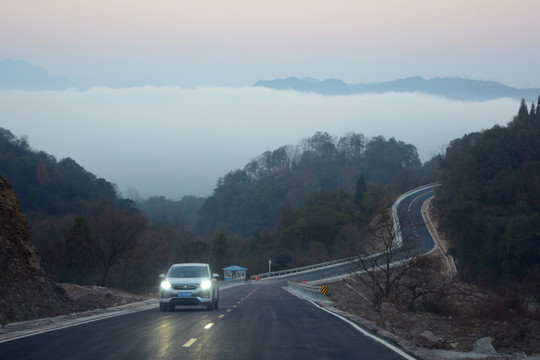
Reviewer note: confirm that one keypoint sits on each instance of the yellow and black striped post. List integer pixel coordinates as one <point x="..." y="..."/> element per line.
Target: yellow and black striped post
<point x="324" y="289"/>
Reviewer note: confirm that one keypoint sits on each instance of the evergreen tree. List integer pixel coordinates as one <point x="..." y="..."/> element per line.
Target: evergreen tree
<point x="361" y="189"/>
<point x="523" y="113"/>
<point x="220" y="256"/>
<point x="537" y="118"/>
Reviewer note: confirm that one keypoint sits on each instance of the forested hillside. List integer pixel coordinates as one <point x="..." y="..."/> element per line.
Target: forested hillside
<point x="490" y="201"/>
<point x="83" y="230"/>
<point x="297" y="204"/>
<point x="45" y="185"/>
<point x="278" y="182"/>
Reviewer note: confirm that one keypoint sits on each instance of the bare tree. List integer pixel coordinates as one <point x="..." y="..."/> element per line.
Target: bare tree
<point x="389" y="266"/>
<point x="383" y="261"/>
<point x="426" y="283"/>
<point x="150" y="256"/>
<point x="116" y="233"/>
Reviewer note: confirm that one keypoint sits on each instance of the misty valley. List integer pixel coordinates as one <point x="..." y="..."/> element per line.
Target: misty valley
<point x="296" y="205"/>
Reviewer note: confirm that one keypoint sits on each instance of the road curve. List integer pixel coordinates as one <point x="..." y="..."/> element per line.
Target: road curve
<point x="416" y="238"/>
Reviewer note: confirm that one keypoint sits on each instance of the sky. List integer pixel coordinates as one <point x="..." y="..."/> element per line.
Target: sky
<point x="178" y="140"/>
<point x="236" y="42"/>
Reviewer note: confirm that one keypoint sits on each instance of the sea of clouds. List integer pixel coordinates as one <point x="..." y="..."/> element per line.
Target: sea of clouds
<point x="175" y="141"/>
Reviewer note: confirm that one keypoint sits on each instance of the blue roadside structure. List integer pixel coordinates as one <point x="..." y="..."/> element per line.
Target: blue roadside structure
<point x="234" y="272"/>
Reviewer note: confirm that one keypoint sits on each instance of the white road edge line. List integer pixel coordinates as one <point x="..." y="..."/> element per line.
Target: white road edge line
<point x="367" y="333"/>
<point x="70" y="323"/>
<point x="358" y="328"/>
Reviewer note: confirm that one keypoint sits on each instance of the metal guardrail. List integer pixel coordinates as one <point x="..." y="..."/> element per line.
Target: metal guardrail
<point x="306" y="268"/>
<point x="310" y="291"/>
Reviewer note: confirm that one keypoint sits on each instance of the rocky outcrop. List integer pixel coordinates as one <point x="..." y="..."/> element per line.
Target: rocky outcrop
<point x="26" y="291"/>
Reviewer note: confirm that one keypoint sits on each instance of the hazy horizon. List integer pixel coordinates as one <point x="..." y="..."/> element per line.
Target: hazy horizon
<point x="174" y="142"/>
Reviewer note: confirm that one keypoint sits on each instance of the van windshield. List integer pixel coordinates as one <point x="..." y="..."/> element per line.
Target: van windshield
<point x="188" y="272"/>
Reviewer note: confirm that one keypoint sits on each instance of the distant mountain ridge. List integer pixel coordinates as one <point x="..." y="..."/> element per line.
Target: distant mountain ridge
<point x="449" y="87"/>
<point x="20" y="75"/>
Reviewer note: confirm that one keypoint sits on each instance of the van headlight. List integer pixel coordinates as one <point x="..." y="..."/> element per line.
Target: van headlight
<point x="165" y="285"/>
<point x="206" y="284"/>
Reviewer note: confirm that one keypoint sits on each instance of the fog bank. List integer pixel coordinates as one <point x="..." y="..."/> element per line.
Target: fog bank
<point x="173" y="141"/>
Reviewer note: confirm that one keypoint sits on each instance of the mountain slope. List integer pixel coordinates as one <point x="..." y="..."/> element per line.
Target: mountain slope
<point x="489" y="200"/>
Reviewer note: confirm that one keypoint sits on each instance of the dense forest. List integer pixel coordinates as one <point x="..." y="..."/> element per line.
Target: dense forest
<point x="489" y="201"/>
<point x="280" y="181"/>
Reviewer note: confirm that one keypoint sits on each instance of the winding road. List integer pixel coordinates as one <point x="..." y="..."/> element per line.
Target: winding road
<point x="258" y="320"/>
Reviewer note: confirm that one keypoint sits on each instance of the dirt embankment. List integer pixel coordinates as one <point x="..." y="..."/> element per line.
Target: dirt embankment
<point x="26" y="291"/>
<point x="464" y="323"/>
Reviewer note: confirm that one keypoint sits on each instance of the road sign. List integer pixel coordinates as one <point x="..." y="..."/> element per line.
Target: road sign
<point x="324" y="289"/>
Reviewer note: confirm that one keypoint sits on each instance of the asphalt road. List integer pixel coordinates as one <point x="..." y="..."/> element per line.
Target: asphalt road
<point x="415" y="234"/>
<point x="256" y="321"/>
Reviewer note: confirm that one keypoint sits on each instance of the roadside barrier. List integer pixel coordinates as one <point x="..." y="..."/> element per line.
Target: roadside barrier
<point x="311" y="292"/>
<point x="305" y="268"/>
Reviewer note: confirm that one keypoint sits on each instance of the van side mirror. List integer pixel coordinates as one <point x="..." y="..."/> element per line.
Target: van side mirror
<point x="162" y="276"/>
<point x="215" y="276"/>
